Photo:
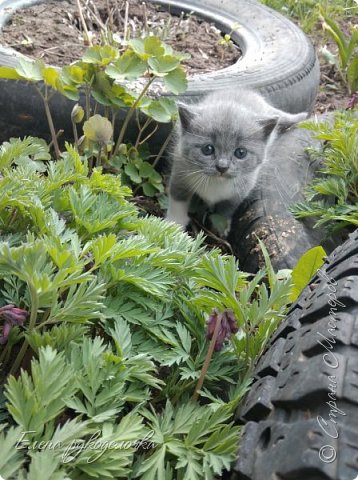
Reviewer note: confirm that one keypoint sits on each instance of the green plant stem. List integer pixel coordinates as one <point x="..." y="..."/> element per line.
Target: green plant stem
<point x="59" y="133"/>
<point x="162" y="148"/>
<point x="130" y="115"/>
<point x="110" y="16"/>
<point x="247" y="340"/>
<point x="88" y="106"/>
<point x="19" y="358"/>
<point x="52" y="130"/>
<point x="141" y="130"/>
<point x="75" y="134"/>
<point x="84" y="25"/>
<point x="179" y="393"/>
<point x="44" y="320"/>
<point x="45" y="99"/>
<point x="7" y="356"/>
<point x="98" y="161"/>
<point x="145" y="19"/>
<point x="12" y="217"/>
<point x="206" y="364"/>
<point x="125" y="34"/>
<point x="32" y="322"/>
<point x="343" y="75"/>
<point x="149" y="135"/>
<point x="90" y="162"/>
<point x="113" y="120"/>
<point x="4" y="354"/>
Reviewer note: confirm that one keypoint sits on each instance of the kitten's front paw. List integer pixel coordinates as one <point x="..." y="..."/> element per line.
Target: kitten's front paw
<point x="178" y="212"/>
<point x="182" y="220"/>
<point x="227" y="228"/>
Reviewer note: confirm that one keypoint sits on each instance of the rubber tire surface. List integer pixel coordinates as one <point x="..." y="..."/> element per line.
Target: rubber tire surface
<point x="308" y="373"/>
<point x="278" y="60"/>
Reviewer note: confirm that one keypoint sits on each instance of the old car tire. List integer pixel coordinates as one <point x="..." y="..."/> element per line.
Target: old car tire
<point x="301" y="413"/>
<point x="278" y="60"/>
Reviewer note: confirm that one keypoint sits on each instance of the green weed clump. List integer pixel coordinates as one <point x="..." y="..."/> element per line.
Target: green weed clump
<point x="347" y="62"/>
<point x="307" y="12"/>
<point x="332" y="198"/>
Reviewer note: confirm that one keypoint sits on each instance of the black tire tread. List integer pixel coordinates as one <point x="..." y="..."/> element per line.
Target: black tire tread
<point x="282" y="438"/>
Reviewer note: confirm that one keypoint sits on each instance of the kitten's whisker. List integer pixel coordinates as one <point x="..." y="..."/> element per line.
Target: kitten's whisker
<point x="200" y="183"/>
<point x="195" y="186"/>
<point x="189" y="174"/>
<point x="196" y="135"/>
<point x="189" y="161"/>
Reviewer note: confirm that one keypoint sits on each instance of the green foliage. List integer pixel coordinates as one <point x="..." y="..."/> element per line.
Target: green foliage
<point x="116" y="330"/>
<point x="333" y="195"/>
<point x="347" y="49"/>
<point x="307" y="12"/>
<point x="102" y="64"/>
<point x="306" y="267"/>
<point x="256" y="309"/>
<point x="36" y="400"/>
<point x="225" y="42"/>
<point x="133" y="163"/>
<point x="102" y="371"/>
<point x="29" y="151"/>
<point x="106" y="74"/>
<point x="11" y="458"/>
<point x="310" y="12"/>
<point x="194" y="436"/>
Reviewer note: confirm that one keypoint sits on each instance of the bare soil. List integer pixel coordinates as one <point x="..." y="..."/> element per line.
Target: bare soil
<point x="54" y="32"/>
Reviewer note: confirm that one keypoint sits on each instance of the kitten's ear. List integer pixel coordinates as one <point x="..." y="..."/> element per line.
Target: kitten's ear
<point x="268" y="124"/>
<point x="288" y="120"/>
<point x="282" y="120"/>
<point x="185" y="115"/>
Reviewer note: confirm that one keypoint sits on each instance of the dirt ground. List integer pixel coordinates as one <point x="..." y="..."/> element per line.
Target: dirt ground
<point x="54" y="33"/>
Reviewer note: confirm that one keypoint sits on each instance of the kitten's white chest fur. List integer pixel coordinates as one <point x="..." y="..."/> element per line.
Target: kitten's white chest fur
<point x="221" y="145"/>
<point x="213" y="189"/>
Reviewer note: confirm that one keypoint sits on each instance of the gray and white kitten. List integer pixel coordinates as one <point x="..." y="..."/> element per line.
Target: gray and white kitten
<point x="221" y="145"/>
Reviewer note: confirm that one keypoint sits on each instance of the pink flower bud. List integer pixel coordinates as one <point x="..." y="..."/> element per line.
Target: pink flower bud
<point x="228" y="326"/>
<point x="12" y="316"/>
<point x="353" y="101"/>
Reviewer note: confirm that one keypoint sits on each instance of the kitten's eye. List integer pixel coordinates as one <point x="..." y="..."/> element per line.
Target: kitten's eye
<point x="208" y="149"/>
<point x="240" y="152"/>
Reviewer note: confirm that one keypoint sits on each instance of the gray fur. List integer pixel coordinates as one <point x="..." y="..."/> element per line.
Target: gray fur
<point x="225" y="120"/>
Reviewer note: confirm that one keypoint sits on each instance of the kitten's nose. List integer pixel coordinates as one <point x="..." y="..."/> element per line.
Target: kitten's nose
<point x="222" y="168"/>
